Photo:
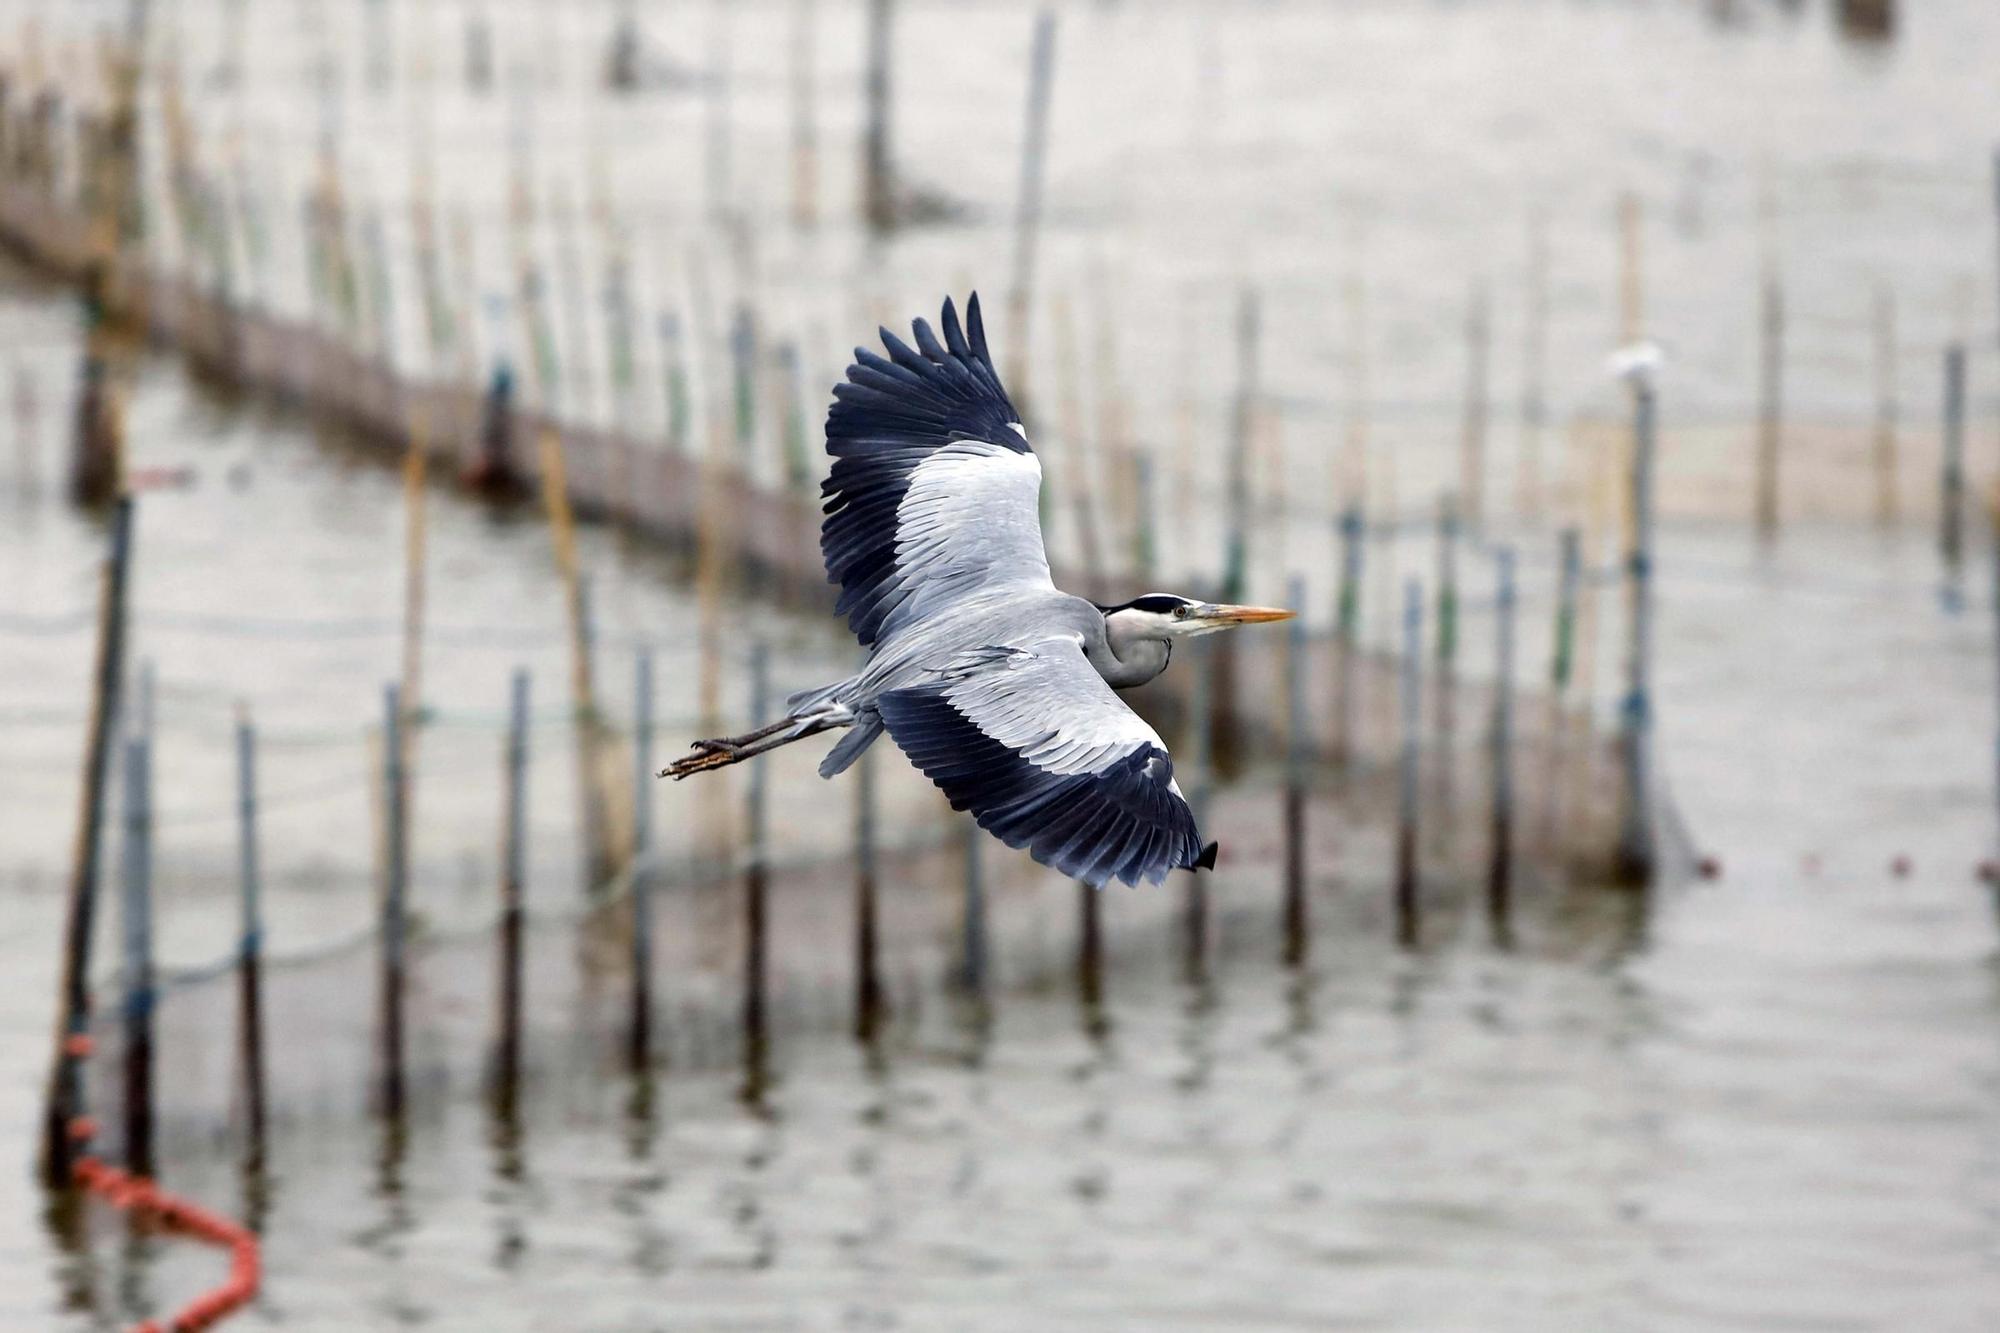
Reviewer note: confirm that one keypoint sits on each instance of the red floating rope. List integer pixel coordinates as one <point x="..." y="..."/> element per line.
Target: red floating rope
<point x="123" y="1190"/>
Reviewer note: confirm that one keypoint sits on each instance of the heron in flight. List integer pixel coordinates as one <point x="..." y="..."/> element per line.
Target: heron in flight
<point x="998" y="686"/>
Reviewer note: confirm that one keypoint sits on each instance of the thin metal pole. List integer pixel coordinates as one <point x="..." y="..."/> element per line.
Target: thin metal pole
<point x="1407" y="912"/>
<point x="393" y="922"/>
<point x="137" y="911"/>
<point x="1296" y="932"/>
<point x="250" y="946"/>
<point x="1500" y="875"/>
<point x="1635" y="860"/>
<point x="1472" y="445"/>
<point x="1447" y="657"/>
<point x="639" y="1045"/>
<point x="64" y="1100"/>
<point x="1951" y="515"/>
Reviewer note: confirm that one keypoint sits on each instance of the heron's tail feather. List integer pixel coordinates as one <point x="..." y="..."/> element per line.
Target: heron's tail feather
<point x="851" y="745"/>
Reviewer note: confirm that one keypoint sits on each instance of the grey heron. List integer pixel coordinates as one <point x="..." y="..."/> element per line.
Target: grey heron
<point x="1000" y="688"/>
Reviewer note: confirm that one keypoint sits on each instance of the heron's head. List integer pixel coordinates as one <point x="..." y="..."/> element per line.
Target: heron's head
<point x="1166" y="616"/>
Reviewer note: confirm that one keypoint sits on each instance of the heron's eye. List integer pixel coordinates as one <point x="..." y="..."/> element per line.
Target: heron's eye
<point x="1180" y="613"/>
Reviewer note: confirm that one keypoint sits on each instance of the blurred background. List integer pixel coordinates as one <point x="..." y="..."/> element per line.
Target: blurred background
<point x="412" y="439"/>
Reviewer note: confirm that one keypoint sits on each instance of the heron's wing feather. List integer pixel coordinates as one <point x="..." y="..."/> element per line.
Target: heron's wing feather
<point x="1048" y="758"/>
<point x="934" y="492"/>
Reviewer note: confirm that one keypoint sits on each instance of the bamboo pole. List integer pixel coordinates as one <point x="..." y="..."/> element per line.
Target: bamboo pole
<point x="973" y="965"/>
<point x="599" y="856"/>
<point x="1445" y="711"/>
<point x="1346" y="631"/>
<point x="870" y="1004"/>
<point x="1951" y="499"/>
<point x="756" y="887"/>
<point x="1201" y="722"/>
<point x="64" y="1098"/>
<point x="1534" y="349"/>
<point x="878" y="172"/>
<point x="513" y="888"/>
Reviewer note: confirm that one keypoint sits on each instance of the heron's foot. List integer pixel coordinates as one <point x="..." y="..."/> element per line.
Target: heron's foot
<point x="706" y="755"/>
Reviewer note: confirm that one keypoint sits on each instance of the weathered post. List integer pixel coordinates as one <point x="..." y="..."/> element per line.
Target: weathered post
<point x="1562" y="664"/>
<point x="513" y="888"/>
<point x="250" y="945"/>
<point x="638" y="1047"/>
<point x="1635" y="859"/>
<point x="394" y="921"/>
<point x="64" y="1098"/>
<point x="1500" y="873"/>
<point x="1446" y="716"/>
<point x="137" y="974"/>
<point x="1951" y="500"/>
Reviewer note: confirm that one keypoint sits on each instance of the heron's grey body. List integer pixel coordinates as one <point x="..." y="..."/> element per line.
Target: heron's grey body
<point x="997" y="685"/>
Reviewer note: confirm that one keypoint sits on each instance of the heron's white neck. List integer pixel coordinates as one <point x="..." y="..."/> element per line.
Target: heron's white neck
<point x="1127" y="658"/>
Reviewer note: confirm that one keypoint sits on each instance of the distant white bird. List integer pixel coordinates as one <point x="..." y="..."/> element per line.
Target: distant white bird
<point x="996" y="685"/>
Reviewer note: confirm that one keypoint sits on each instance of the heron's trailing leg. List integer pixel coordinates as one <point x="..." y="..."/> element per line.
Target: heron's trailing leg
<point x="725" y="750"/>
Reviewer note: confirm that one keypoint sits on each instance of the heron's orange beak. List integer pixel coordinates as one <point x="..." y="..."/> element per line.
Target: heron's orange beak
<point x="1221" y="615"/>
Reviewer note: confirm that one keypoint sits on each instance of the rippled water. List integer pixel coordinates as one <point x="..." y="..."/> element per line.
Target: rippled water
<point x="1766" y="1101"/>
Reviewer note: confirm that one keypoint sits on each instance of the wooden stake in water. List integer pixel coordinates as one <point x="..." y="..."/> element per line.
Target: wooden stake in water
<point x="639" y="1045"/>
<point x="1028" y="206"/>
<point x="973" y="967"/>
<point x="1500" y="874"/>
<point x="1886" y="502"/>
<point x="394" y="916"/>
<point x="1562" y="665"/>
<point x="675" y="384"/>
<point x="1446" y="712"/>
<point x="1635" y="859"/>
<point x="137" y="974"/>
<point x="1771" y="405"/>
<point x="1472" y="440"/>
<point x="599" y="858"/>
<point x="1297" y="757"/>
<point x="869" y="1005"/>
<point x="756" y="888"/>
<point x="250" y="943"/>
<point x="1951" y="498"/>
<point x="513" y="888"/>
<point x="1194" y="907"/>
<point x="1346" y="631"/>
<point x="64" y="1098"/>
<point x="1407" y="911"/>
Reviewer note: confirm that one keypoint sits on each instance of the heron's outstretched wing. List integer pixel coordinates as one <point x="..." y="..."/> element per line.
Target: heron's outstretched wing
<point x="934" y="492"/>
<point x="1047" y="757"/>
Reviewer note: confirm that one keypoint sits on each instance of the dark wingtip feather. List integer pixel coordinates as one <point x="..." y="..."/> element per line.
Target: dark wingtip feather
<point x="1206" y="861"/>
<point x="954" y="337"/>
<point x="976" y="329"/>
